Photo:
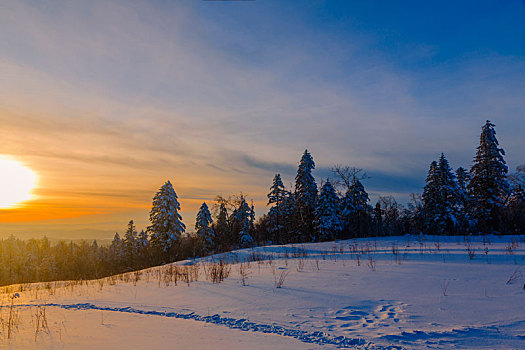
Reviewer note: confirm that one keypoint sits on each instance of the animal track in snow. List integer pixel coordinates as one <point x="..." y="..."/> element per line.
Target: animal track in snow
<point x="369" y="315"/>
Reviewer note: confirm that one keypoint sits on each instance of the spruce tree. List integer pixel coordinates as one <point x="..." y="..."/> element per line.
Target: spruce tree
<point x="378" y="219"/>
<point x="327" y="213"/>
<point x="431" y="198"/>
<point x="244" y="217"/>
<point x="130" y="243"/>
<point x="463" y="178"/>
<point x="346" y="211"/>
<point x="449" y="195"/>
<point x="276" y="215"/>
<point x="305" y="197"/>
<point x="441" y="198"/>
<point x="359" y="198"/>
<point x="166" y="223"/>
<point x="143" y="248"/>
<point x="116" y="252"/>
<point x="354" y="208"/>
<point x="488" y="187"/>
<point x="289" y="233"/>
<point x="222" y="229"/>
<point x="204" y="230"/>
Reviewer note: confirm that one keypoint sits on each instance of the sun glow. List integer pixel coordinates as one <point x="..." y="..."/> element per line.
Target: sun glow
<point x="16" y="182"/>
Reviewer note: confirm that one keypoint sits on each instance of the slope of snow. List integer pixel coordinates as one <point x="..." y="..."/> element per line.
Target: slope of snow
<point x="386" y="293"/>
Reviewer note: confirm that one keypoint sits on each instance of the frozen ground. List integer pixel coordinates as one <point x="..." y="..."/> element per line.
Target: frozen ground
<point x="387" y="293"/>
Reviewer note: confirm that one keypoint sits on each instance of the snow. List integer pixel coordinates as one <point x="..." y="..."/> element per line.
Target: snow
<point x="347" y="294"/>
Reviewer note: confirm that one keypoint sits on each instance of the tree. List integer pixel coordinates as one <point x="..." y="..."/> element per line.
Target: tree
<point x="355" y="212"/>
<point x="359" y="199"/>
<point x="305" y="197"/>
<point x="143" y="248"/>
<point x="354" y="208"/>
<point x="378" y="219"/>
<point x="327" y="213"/>
<point x="514" y="212"/>
<point x="488" y="187"/>
<point x="166" y="223"/>
<point x="440" y="198"/>
<point x="222" y="229"/>
<point x="430" y="197"/>
<point x="130" y="244"/>
<point x="277" y="215"/>
<point x="390" y="210"/>
<point x="463" y="179"/>
<point x="116" y="251"/>
<point x="243" y="220"/>
<point x="204" y="230"/>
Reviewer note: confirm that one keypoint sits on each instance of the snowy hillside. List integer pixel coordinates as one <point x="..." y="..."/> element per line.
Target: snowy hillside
<point x="387" y="293"/>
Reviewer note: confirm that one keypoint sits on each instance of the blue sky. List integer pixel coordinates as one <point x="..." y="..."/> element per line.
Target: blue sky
<point x="104" y="98"/>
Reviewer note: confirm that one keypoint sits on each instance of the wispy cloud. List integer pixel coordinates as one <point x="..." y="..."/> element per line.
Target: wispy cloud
<point x="117" y="97"/>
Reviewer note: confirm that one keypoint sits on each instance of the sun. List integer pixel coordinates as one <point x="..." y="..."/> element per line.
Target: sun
<point x="16" y="182"/>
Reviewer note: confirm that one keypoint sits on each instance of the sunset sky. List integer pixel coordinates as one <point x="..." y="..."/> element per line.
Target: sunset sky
<point x="105" y="101"/>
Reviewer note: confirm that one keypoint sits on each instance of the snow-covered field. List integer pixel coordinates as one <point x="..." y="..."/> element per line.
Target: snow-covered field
<point x="377" y="293"/>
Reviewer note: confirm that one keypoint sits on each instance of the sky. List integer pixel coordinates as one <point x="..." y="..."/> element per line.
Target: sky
<point x="107" y="100"/>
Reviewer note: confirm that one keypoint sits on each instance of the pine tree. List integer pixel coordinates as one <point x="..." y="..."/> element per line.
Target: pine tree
<point x="360" y="201"/>
<point x="143" y="248"/>
<point x="354" y="208"/>
<point x="431" y="198"/>
<point x="488" y="187"/>
<point x="204" y="230"/>
<point x="441" y="198"/>
<point x="223" y="235"/>
<point x="347" y="211"/>
<point x="378" y="219"/>
<point x="289" y="219"/>
<point x="450" y="195"/>
<point x="130" y="243"/>
<point x="244" y="217"/>
<point x="327" y="213"/>
<point x="116" y="251"/>
<point x="306" y="197"/>
<point x="142" y="240"/>
<point x="166" y="223"/>
<point x="463" y="179"/>
<point x="276" y="216"/>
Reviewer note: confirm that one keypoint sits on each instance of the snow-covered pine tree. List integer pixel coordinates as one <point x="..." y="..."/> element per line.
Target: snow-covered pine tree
<point x="223" y="235"/>
<point x="346" y="212"/>
<point x="130" y="243"/>
<point x="305" y="197"/>
<point x="378" y="219"/>
<point x="166" y="223"/>
<point x="463" y="178"/>
<point x="327" y="213"/>
<point x="441" y="198"/>
<point x="360" y="201"/>
<point x="431" y="198"/>
<point x="450" y="195"/>
<point x="204" y="230"/>
<point x="354" y="208"/>
<point x="142" y="239"/>
<point x="116" y="251"/>
<point x="518" y="196"/>
<point x="243" y="217"/>
<point x="289" y="219"/>
<point x="276" y="216"/>
<point x="488" y="187"/>
<point x="143" y="248"/>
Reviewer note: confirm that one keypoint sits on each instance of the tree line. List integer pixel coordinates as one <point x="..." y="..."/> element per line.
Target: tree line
<point x="485" y="199"/>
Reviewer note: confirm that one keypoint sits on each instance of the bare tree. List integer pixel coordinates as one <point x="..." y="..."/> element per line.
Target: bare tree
<point x="345" y="175"/>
